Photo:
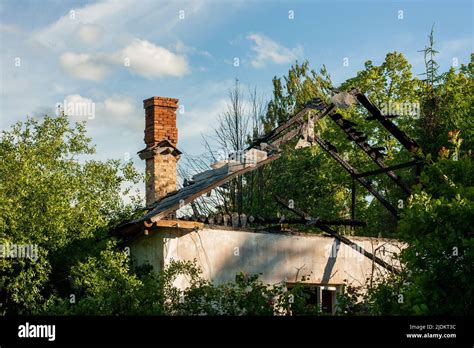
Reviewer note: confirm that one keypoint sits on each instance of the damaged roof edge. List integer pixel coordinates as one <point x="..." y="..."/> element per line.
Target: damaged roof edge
<point x="213" y="178"/>
<point x="185" y="195"/>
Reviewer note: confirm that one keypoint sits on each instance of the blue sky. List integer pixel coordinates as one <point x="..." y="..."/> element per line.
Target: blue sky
<point x="80" y="55"/>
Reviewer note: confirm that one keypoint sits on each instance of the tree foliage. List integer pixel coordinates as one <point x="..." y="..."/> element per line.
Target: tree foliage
<point x="51" y="199"/>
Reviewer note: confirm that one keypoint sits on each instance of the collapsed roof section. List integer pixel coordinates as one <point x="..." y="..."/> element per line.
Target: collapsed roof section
<point x="265" y="149"/>
<point x="344" y="100"/>
<point x="201" y="184"/>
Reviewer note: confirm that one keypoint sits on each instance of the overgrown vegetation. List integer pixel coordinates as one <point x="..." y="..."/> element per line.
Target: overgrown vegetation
<point x="393" y="87"/>
<point x="51" y="200"/>
<point x="67" y="206"/>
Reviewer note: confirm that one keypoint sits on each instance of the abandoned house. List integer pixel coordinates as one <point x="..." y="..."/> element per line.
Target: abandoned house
<point x="225" y="245"/>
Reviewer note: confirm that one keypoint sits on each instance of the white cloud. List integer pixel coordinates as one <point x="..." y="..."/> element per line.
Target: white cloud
<point x="449" y="48"/>
<point x="59" y="34"/>
<point x="142" y="57"/>
<point x="119" y="106"/>
<point x="122" y="18"/>
<point x="77" y="98"/>
<point x="85" y="66"/>
<point x="122" y="112"/>
<point x="90" y="33"/>
<point x="10" y="29"/>
<point x="180" y="47"/>
<point x="117" y="112"/>
<point x="267" y="50"/>
<point x="152" y="61"/>
<point x="78" y="107"/>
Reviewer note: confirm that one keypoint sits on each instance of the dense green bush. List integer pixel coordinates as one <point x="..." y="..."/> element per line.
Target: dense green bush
<point x="105" y="285"/>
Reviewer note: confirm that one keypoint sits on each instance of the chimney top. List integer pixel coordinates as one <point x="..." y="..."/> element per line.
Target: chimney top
<point x="160" y="101"/>
<point x="160" y="120"/>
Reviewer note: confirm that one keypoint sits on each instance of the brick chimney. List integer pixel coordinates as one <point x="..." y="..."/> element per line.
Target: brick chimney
<point x="160" y="154"/>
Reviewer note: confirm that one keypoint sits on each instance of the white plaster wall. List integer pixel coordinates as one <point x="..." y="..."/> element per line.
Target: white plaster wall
<point x="223" y="253"/>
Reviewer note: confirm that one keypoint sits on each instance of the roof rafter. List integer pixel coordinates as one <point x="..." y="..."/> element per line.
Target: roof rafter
<point x="339" y="237"/>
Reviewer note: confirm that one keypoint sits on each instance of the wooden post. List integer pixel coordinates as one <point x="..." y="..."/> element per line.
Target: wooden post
<point x="372" y="152"/>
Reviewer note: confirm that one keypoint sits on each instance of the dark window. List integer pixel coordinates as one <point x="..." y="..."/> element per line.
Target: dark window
<point x="317" y="296"/>
<point x="327" y="300"/>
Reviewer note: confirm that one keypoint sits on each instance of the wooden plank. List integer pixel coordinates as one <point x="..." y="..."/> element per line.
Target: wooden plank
<point x="331" y="150"/>
<point x="340" y="222"/>
<point x="370" y="151"/>
<point x="407" y="142"/>
<point x="179" y="224"/>
<point x="384" y="170"/>
<point x="277" y="132"/>
<point x="286" y="137"/>
<point x="315" y="221"/>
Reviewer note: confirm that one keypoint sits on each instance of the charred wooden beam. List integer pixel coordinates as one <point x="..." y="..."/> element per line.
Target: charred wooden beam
<point x="384" y="170"/>
<point x="342" y="222"/>
<point x="295" y="210"/>
<point x="343" y="239"/>
<point x="285" y="138"/>
<point x="359" y="249"/>
<point x="331" y="150"/>
<point x="407" y="142"/>
<point x="316" y="103"/>
<point x="316" y="222"/>
<point x="278" y="132"/>
<point x="372" y="152"/>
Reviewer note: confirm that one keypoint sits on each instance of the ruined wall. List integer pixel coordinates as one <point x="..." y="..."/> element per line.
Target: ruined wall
<point x="222" y="253"/>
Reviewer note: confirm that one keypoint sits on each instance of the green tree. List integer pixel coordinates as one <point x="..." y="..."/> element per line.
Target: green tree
<point x="53" y="197"/>
<point x="314" y="180"/>
<point x="438" y="261"/>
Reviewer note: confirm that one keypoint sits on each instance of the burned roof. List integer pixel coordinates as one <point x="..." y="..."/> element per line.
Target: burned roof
<point x="201" y="184"/>
<point x="269" y="144"/>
